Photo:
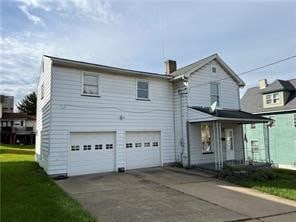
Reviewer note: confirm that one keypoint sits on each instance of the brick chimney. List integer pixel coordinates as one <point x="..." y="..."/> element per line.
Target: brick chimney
<point x="170" y="66"/>
<point x="262" y="83"/>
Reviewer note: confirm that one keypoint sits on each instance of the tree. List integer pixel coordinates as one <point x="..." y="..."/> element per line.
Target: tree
<point x="28" y="104"/>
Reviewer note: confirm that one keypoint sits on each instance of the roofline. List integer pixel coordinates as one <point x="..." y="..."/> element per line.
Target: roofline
<point x="276" y="111"/>
<point x="233" y="75"/>
<point x="230" y="119"/>
<point x="62" y="62"/>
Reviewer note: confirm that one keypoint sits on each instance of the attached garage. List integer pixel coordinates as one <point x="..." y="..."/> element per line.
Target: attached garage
<point x="91" y="153"/>
<point x="142" y="149"/>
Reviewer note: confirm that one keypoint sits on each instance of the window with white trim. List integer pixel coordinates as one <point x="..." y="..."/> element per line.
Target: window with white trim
<point x="214" y="69"/>
<point x="143" y="89"/>
<point x="42" y="91"/>
<point x="215" y="88"/>
<point x="109" y="146"/>
<point x="137" y="145"/>
<point x="206" y="138"/>
<point x="90" y="84"/>
<point x="128" y="145"/>
<point x="272" y="98"/>
<point x="98" y="146"/>
<point x="75" y="147"/>
<point x="147" y="144"/>
<point x="255" y="146"/>
<point x="155" y="144"/>
<point x="86" y="147"/>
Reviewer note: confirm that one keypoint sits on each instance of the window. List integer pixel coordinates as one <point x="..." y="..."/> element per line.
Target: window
<point x="206" y="138"/>
<point x="272" y="98"/>
<point x="138" y="145"/>
<point x="214" y="69"/>
<point x="75" y="147"/>
<point x="273" y="121"/>
<point x="147" y="144"/>
<point x="86" y="147"/>
<point x="142" y="89"/>
<point x="253" y="126"/>
<point x="42" y="91"/>
<point x="155" y="144"/>
<point x="254" y="146"/>
<point x="109" y="146"/>
<point x="90" y="85"/>
<point x="129" y="145"/>
<point x="215" y="93"/>
<point x="98" y="147"/>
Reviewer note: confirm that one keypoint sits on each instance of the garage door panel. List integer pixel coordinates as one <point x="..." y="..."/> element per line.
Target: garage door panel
<point x="140" y="152"/>
<point x="91" y="153"/>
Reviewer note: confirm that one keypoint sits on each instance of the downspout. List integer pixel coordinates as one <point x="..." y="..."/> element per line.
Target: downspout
<point x="188" y="144"/>
<point x="267" y="142"/>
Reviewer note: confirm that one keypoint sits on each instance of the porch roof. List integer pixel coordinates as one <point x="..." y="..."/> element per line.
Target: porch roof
<point x="232" y="115"/>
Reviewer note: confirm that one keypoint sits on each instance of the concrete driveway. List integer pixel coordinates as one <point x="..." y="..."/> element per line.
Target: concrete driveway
<point x="170" y="194"/>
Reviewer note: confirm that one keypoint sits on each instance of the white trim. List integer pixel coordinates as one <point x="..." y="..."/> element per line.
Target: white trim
<point x="82" y="83"/>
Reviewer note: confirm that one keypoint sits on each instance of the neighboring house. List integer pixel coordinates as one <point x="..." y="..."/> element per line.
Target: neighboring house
<point x="6" y="104"/>
<point x="93" y="118"/>
<point x="278" y="102"/>
<point x="18" y="128"/>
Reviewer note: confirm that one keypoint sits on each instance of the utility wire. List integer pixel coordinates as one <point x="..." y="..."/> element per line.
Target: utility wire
<point x="251" y="70"/>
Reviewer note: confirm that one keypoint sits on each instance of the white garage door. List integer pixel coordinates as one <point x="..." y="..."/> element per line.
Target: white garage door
<point x="91" y="153"/>
<point x="142" y="149"/>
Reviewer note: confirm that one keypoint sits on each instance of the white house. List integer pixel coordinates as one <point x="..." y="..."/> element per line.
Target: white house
<point x="93" y="118"/>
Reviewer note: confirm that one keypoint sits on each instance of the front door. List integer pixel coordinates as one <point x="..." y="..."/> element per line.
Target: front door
<point x="229" y="144"/>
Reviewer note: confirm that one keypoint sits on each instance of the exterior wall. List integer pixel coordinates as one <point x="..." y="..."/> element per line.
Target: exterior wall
<point x="115" y="110"/>
<point x="199" y="93"/>
<point x="196" y="155"/>
<point x="180" y="98"/>
<point x="282" y="140"/>
<point x="43" y="115"/>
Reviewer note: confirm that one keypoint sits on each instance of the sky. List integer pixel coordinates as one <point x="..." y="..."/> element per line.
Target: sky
<point x="141" y="35"/>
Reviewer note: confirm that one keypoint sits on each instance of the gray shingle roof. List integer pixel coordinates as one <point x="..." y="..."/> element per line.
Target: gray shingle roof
<point x="252" y="100"/>
<point x="232" y="114"/>
<point x="279" y="85"/>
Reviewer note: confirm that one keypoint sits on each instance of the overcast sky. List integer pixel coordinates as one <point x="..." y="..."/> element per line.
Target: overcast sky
<point x="141" y="35"/>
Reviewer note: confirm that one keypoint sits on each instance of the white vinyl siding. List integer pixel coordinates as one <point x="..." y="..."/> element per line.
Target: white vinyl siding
<point x="200" y="88"/>
<point x="73" y="112"/>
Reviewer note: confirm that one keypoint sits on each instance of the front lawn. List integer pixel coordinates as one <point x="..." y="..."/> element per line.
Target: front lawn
<point x="27" y="194"/>
<point x="4" y="146"/>
<point x="279" y="182"/>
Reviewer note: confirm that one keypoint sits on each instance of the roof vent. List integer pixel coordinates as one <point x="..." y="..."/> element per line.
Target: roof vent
<point x="170" y="66"/>
<point x="262" y="83"/>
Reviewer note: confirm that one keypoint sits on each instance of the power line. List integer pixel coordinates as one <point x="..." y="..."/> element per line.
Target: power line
<point x="251" y="70"/>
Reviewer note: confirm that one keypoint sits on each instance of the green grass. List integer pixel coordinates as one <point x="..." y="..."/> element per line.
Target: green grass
<point x="283" y="185"/>
<point x="28" y="194"/>
<point x="5" y="146"/>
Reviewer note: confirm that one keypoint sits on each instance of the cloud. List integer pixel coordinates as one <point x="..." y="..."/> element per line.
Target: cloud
<point x="35" y="19"/>
<point x="97" y="10"/>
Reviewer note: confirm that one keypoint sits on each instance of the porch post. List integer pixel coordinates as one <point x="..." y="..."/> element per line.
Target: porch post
<point x="266" y="141"/>
<point x="220" y="144"/>
<point x="216" y="154"/>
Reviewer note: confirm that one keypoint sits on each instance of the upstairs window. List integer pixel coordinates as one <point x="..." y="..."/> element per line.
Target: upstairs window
<point x="143" y="89"/>
<point x="272" y="98"/>
<point x="214" y="69"/>
<point x="90" y="85"/>
<point x="215" y="88"/>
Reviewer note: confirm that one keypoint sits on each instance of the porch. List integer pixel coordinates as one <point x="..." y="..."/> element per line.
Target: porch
<point x="218" y="140"/>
